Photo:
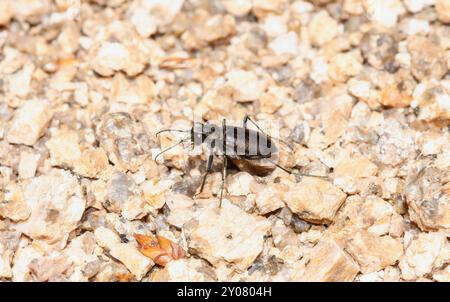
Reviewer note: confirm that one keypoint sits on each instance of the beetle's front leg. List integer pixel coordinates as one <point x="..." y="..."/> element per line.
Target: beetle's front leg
<point x="224" y="178"/>
<point x="208" y="170"/>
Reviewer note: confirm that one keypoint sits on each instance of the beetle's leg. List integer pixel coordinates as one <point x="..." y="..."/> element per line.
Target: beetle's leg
<point x="296" y="173"/>
<point x="248" y="118"/>
<point x="224" y="166"/>
<point x="224" y="178"/>
<point x="208" y="169"/>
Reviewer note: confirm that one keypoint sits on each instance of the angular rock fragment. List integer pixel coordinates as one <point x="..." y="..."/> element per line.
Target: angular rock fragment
<point x="13" y="205"/>
<point x="245" y="84"/>
<point x="395" y="143"/>
<point x="374" y="253"/>
<point x="432" y="101"/>
<point x="416" y="6"/>
<point x="427" y="197"/>
<point x="56" y="204"/>
<point x="428" y="251"/>
<point x="110" y="57"/>
<point x="238" y="8"/>
<point x="91" y="163"/>
<point x="28" y="164"/>
<point x="6" y="13"/>
<point x="285" y="45"/>
<point x="20" y="82"/>
<point x="371" y="214"/>
<point x="49" y="268"/>
<point x="124" y="196"/>
<point x="137" y="91"/>
<point x="9" y="241"/>
<point x="442" y="275"/>
<point x="126" y="253"/>
<point x="185" y="270"/>
<point x="379" y="49"/>
<point x="30" y="122"/>
<point x="428" y="60"/>
<point x="346" y="65"/>
<point x="268" y="199"/>
<point x="149" y="16"/>
<point x="125" y="141"/>
<point x="326" y="262"/>
<point x="64" y="148"/>
<point x="206" y="29"/>
<point x="384" y="12"/>
<point x="22" y="258"/>
<point x="83" y="253"/>
<point x="355" y="166"/>
<point x="443" y="10"/>
<point x="322" y="28"/>
<point x="315" y="200"/>
<point x="395" y="96"/>
<point x="227" y="235"/>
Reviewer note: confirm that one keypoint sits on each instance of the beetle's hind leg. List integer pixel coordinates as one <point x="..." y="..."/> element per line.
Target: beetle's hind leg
<point x="296" y="173"/>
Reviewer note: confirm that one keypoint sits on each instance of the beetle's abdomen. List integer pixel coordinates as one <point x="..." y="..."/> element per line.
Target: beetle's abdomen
<point x="248" y="144"/>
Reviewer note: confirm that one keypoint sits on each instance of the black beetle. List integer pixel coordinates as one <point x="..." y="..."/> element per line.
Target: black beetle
<point x="241" y="145"/>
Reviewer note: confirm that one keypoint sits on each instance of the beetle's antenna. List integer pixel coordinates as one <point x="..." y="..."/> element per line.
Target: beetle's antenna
<point x="171" y="147"/>
<point x="296" y="173"/>
<point x="167" y="130"/>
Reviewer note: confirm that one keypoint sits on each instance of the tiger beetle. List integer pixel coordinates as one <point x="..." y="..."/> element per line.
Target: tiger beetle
<point x="240" y="145"/>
